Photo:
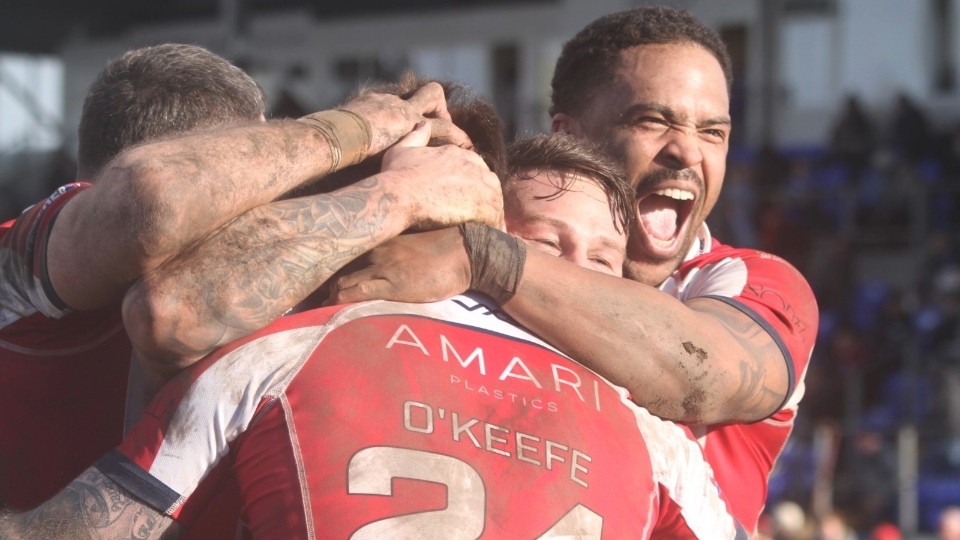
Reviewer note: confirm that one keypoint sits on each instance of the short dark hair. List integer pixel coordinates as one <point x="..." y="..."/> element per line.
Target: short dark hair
<point x="577" y="159"/>
<point x="589" y="59"/>
<point x="157" y="92"/>
<point x="476" y="116"/>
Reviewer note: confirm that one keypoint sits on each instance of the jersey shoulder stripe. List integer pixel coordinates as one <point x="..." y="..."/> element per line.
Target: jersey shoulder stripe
<point x="24" y="283"/>
<point x="679" y="466"/>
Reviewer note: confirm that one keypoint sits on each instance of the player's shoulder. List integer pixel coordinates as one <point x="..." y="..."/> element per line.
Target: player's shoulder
<point x="755" y="260"/>
<point x="742" y="269"/>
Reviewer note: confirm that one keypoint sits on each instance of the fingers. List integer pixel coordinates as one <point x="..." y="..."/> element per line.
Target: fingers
<point x="493" y="216"/>
<point x="430" y="101"/>
<point x="491" y="212"/>
<point x="420" y="136"/>
<point x="361" y="291"/>
<point x="454" y="153"/>
<point x="446" y="132"/>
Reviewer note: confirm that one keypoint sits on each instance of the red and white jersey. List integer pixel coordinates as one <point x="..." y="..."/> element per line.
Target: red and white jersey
<point x="774" y="294"/>
<point x="63" y="375"/>
<point x="387" y="420"/>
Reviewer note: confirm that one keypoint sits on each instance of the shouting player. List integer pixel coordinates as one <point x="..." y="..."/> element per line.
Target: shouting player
<point x="385" y="420"/>
<point x="66" y="263"/>
<point x="701" y="332"/>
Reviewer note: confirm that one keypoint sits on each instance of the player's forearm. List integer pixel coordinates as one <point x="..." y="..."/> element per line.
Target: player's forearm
<point x="154" y="200"/>
<point x="191" y="185"/>
<point x="255" y="269"/>
<point x="94" y="507"/>
<point x="678" y="362"/>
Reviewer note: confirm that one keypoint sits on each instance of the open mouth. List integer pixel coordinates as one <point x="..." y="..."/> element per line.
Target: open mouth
<point x="663" y="215"/>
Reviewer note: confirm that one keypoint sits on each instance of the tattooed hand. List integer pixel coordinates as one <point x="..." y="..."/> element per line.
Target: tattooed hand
<point x="442" y="186"/>
<point x="92" y="506"/>
<point x="391" y="117"/>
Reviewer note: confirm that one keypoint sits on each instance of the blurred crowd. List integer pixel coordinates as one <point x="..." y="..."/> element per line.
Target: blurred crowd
<point x="871" y="219"/>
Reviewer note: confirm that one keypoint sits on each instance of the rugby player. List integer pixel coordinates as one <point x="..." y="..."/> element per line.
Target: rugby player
<point x="701" y="332"/>
<point x="385" y="420"/>
<point x="66" y="263"/>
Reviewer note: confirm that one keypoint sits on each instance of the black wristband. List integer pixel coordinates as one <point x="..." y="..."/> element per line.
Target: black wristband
<point x="496" y="260"/>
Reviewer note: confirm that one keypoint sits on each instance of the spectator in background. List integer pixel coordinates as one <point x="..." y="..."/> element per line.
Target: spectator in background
<point x="737" y="206"/>
<point x="834" y="527"/>
<point x="912" y="137"/>
<point x="854" y="138"/>
<point x="886" y="531"/>
<point x="770" y="172"/>
<point x="950" y="155"/>
<point x="945" y="353"/>
<point x="874" y="475"/>
<point x="790" y="522"/>
<point x="9" y="208"/>
<point x="950" y="523"/>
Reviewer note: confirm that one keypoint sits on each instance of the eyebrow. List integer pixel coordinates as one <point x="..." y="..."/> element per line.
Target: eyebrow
<point x="560" y="224"/>
<point x="670" y="115"/>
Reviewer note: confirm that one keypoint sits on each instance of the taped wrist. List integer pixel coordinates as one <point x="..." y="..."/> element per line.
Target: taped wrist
<point x="496" y="260"/>
<point x="348" y="134"/>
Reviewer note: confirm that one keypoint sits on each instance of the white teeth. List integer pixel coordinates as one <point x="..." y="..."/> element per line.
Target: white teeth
<point x="674" y="193"/>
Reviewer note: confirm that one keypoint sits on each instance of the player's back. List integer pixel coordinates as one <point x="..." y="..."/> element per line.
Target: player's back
<point x="387" y="420"/>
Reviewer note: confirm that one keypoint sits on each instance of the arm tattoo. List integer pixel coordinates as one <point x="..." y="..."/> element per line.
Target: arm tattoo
<point x="269" y="259"/>
<point x="755" y="397"/>
<point x="93" y="507"/>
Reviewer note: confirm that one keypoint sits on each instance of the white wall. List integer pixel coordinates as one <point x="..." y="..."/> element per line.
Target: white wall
<point x="41" y="78"/>
<point x="884" y="48"/>
<point x="874" y="48"/>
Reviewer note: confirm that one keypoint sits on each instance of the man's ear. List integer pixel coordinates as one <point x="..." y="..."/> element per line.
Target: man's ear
<point x="564" y="123"/>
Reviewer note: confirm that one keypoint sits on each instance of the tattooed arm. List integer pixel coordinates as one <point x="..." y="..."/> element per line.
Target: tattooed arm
<point x="93" y="507"/>
<point x="269" y="259"/>
<point x="158" y="199"/>
<point x="700" y="362"/>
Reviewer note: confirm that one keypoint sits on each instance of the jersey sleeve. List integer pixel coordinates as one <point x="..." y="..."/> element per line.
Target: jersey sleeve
<point x="170" y="456"/>
<point x="691" y="504"/>
<point x="24" y="282"/>
<point x="771" y="292"/>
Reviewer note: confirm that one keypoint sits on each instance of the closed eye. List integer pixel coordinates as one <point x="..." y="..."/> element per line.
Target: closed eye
<point x="602" y="262"/>
<point x="553" y="244"/>
<point x="717" y="134"/>
<point x="652" y="121"/>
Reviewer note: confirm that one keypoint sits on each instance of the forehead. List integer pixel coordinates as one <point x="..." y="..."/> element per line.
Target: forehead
<point x="685" y="78"/>
<point x="583" y="205"/>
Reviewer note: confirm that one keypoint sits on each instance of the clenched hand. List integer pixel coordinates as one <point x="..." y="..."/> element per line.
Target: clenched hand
<point x="417" y="267"/>
<point x="441" y="186"/>
<point x="392" y="117"/>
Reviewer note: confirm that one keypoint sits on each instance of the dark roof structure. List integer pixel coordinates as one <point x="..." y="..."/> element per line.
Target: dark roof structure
<point x="39" y="26"/>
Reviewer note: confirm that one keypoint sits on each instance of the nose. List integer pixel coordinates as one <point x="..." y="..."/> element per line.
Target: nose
<point x="682" y="148"/>
<point x="576" y="255"/>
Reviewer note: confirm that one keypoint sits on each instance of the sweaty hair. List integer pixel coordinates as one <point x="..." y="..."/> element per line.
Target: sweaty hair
<point x="157" y="92"/>
<point x="576" y="159"/>
<point x="589" y="59"/>
<point x="469" y="112"/>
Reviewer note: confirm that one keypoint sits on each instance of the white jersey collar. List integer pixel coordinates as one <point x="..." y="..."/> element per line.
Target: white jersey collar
<point x="702" y="244"/>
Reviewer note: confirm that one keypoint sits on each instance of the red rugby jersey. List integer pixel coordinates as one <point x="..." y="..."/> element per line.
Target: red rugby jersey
<point x="444" y="420"/>
<point x="778" y="298"/>
<point x="63" y="375"/>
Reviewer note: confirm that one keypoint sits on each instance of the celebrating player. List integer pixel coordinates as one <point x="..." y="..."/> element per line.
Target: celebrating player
<point x="65" y="263"/>
<point x="446" y="420"/>
<point x="703" y="333"/>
